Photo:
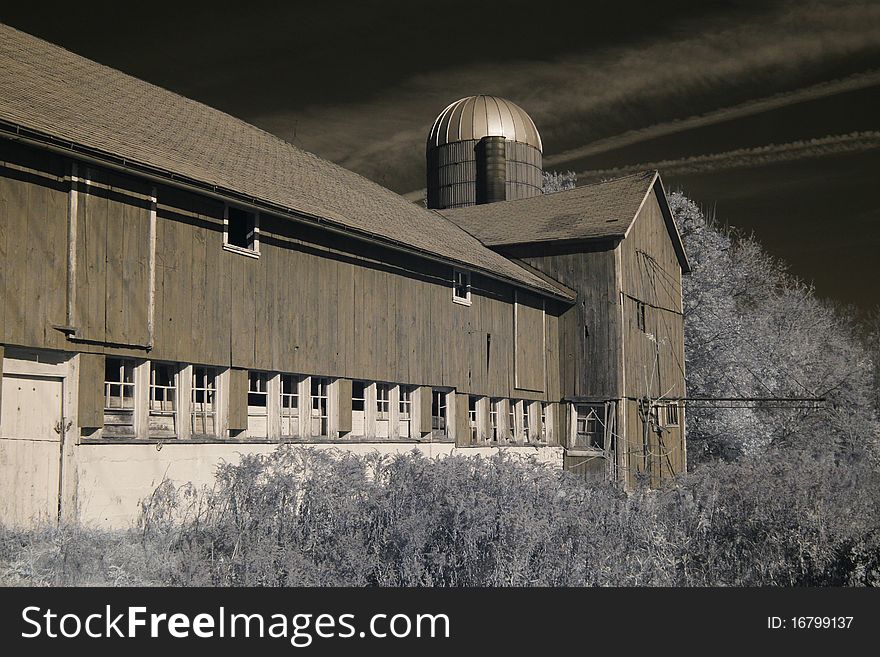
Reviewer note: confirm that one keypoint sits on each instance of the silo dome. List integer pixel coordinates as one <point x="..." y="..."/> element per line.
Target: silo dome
<point x="481" y="116"/>
<point x="482" y="149"/>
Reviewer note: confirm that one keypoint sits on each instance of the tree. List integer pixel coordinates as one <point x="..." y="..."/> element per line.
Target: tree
<point x="555" y="181"/>
<point x="754" y="330"/>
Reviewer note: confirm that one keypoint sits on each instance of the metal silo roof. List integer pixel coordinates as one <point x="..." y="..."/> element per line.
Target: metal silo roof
<point x="475" y="117"/>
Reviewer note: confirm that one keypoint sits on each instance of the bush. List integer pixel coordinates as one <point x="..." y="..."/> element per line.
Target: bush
<point x="308" y="517"/>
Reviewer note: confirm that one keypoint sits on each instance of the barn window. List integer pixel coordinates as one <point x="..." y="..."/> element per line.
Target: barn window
<point x="544" y="406"/>
<point x="383" y="409"/>
<point x="461" y="286"/>
<point x="204" y="401"/>
<point x="241" y="231"/>
<point x="162" y="409"/>
<point x="640" y="316"/>
<point x="404" y="408"/>
<point x="472" y="419"/>
<point x="119" y="398"/>
<point x="524" y="406"/>
<point x="319" y="396"/>
<point x="672" y="414"/>
<point x="590" y="426"/>
<point x="438" y="410"/>
<point x="511" y="419"/>
<point x="290" y="405"/>
<point x="493" y="418"/>
<point x="258" y="405"/>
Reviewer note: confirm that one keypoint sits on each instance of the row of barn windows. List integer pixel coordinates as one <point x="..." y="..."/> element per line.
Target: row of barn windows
<point x="302" y="408"/>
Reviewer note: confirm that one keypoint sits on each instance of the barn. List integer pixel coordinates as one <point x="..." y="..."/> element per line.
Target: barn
<point x="180" y="287"/>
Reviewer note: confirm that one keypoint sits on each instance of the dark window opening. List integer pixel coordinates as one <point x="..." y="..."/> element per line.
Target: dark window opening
<point x="242" y="228"/>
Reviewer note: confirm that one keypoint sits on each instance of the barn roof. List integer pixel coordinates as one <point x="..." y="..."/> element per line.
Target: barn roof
<point x="58" y="98"/>
<point x="599" y="211"/>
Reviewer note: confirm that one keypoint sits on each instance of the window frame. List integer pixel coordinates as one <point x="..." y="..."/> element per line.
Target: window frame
<point x="465" y="300"/>
<point x="210" y="389"/>
<point x="600" y="412"/>
<point x="174" y="372"/>
<point x="254" y="250"/>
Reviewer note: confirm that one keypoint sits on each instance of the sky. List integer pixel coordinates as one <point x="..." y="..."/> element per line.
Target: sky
<point x="766" y="113"/>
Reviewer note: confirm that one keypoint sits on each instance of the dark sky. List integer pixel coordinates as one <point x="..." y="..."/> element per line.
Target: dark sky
<point x="767" y="112"/>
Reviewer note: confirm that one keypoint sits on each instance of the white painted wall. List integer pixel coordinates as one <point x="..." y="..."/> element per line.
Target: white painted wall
<point x="114" y="479"/>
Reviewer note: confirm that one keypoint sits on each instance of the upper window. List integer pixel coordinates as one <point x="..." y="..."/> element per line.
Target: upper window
<point x="241" y="231"/>
<point x="672" y="414"/>
<point x="461" y="286"/>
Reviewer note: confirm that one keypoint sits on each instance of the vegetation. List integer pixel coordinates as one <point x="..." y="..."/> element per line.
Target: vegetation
<point x="773" y="497"/>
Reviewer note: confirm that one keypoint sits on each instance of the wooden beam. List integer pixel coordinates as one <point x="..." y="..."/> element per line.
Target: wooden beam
<point x="2" y="352"/>
<point x="238" y="398"/>
<point x="421" y="408"/>
<point x="342" y="406"/>
<point x="461" y="426"/>
<point x="90" y="398"/>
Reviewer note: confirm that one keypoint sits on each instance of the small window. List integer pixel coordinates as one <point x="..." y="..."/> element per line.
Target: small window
<point x="438" y="411"/>
<point x="289" y="405"/>
<point x="526" y="434"/>
<point x="493" y="418"/>
<point x="204" y="401"/>
<point x="472" y="419"/>
<point x="258" y="405"/>
<point x="640" y="316"/>
<point x="242" y="230"/>
<point x="319" y="406"/>
<point x="672" y="414"/>
<point x="511" y="419"/>
<point x="404" y="407"/>
<point x="162" y="411"/>
<point x="461" y="286"/>
<point x="383" y="404"/>
<point x="544" y="406"/>
<point x="118" y="398"/>
<point x="590" y="428"/>
<point x="358" y="406"/>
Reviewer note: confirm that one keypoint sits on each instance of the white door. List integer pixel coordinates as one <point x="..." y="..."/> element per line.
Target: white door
<point x="31" y="424"/>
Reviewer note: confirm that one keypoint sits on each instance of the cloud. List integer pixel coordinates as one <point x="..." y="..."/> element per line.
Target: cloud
<point x="594" y="95"/>
<point x="748" y="108"/>
<point x="746" y="158"/>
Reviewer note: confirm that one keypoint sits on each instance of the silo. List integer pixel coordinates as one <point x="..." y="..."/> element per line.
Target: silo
<point x="482" y="149"/>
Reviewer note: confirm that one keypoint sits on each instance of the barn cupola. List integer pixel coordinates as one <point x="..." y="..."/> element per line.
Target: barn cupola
<point x="482" y="149"/>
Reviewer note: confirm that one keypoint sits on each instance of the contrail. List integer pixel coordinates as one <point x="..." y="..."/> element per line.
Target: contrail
<point x="854" y="142"/>
<point x="748" y="108"/>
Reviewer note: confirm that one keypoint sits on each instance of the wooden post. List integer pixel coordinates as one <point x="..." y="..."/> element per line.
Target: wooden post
<point x="421" y="410"/>
<point x="534" y="420"/>
<point x="90" y="398"/>
<point x="341" y="406"/>
<point x="460" y="425"/>
<point x="2" y="352"/>
<point x="238" y="398"/>
<point x="484" y="428"/>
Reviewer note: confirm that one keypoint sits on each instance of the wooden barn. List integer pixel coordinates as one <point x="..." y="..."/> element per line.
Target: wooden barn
<point x="179" y="287"/>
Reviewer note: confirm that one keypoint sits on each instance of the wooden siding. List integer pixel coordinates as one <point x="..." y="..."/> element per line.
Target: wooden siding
<point x="312" y="303"/>
<point x="587" y="332"/>
<point x="33" y="254"/>
<point x="651" y="277"/>
<point x="529" y="356"/>
<point x="654" y="353"/>
<point x="112" y="259"/>
<point x="238" y="400"/>
<point x="90" y="396"/>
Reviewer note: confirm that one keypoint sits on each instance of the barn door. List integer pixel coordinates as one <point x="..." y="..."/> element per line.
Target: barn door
<point x="31" y="428"/>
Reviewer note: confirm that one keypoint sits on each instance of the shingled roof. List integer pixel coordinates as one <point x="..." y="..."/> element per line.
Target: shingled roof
<point x="602" y="210"/>
<point x="58" y="97"/>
